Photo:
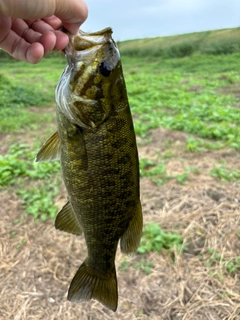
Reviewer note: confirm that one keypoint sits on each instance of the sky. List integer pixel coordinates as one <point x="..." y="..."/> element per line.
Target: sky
<point x="132" y="19"/>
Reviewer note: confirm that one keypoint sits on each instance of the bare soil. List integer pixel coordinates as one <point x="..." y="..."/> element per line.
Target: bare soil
<point x="37" y="262"/>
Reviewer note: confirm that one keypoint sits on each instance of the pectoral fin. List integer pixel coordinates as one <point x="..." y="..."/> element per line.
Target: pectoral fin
<point x="50" y="151"/>
<point x="67" y="221"/>
<point x="131" y="238"/>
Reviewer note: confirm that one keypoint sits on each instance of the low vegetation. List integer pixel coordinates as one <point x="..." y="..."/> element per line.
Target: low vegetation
<point x="18" y="168"/>
<point x="217" y="42"/>
<point x="185" y="100"/>
<point x="155" y="239"/>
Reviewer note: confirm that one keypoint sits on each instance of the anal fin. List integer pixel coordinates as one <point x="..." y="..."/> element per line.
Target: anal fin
<point x="50" y="151"/>
<point x="87" y="285"/>
<point x="131" y="237"/>
<point x="67" y="221"/>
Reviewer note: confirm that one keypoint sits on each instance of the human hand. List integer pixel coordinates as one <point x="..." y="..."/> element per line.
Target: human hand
<point x="29" y="29"/>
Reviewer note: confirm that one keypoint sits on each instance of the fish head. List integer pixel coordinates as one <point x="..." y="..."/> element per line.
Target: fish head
<point x="85" y="92"/>
<point x="92" y="57"/>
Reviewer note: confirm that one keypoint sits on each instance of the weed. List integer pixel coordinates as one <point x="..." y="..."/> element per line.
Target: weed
<point x="157" y="172"/>
<point x="18" y="167"/>
<point x="11" y="168"/>
<point x="145" y="164"/>
<point x="233" y="266"/>
<point x="155" y="239"/>
<point x="196" y="145"/>
<point x="207" y="114"/>
<point x="16" y="98"/>
<point x="13" y="234"/>
<point x="225" y="174"/>
<point x="38" y="201"/>
<point x="20" y="244"/>
<point x="144" y="266"/>
<point x="19" y="162"/>
<point x="124" y="265"/>
<point x="214" y="258"/>
<point x="181" y="178"/>
<point x="168" y="154"/>
<point x="229" y="266"/>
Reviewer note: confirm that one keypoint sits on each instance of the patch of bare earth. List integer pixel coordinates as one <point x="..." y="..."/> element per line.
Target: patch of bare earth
<point x="37" y="262"/>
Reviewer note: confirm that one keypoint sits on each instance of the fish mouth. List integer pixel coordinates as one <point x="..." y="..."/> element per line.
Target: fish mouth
<point x="84" y="43"/>
<point x="88" y="40"/>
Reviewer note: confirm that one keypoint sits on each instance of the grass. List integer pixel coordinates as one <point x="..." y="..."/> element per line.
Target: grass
<point x="19" y="163"/>
<point x="207" y="114"/>
<point x="39" y="201"/>
<point x="224" y="173"/>
<point x="185" y="90"/>
<point x="194" y="144"/>
<point x="15" y="102"/>
<point x="23" y="86"/>
<point x="155" y="239"/>
<point x="157" y="171"/>
<point x="217" y="42"/>
<point x="18" y="168"/>
<point x="194" y="94"/>
<point x="229" y="266"/>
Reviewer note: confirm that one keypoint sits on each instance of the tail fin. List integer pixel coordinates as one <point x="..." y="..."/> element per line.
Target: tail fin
<point x="85" y="286"/>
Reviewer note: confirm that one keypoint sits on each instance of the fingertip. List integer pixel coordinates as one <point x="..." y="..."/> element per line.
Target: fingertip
<point x="48" y="40"/>
<point x="35" y="53"/>
<point x="62" y="40"/>
<point x="72" y="27"/>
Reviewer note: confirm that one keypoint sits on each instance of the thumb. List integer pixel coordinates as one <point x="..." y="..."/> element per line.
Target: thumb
<point x="72" y="13"/>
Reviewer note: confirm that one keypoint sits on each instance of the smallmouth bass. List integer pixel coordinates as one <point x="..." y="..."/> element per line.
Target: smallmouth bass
<point x="96" y="144"/>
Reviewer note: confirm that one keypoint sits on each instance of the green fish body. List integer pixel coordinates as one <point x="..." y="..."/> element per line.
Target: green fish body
<point x="96" y="143"/>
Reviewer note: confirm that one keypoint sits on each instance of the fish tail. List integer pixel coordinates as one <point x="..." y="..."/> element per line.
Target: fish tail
<point x="86" y="285"/>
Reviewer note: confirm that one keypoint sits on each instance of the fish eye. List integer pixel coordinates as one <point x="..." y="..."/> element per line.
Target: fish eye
<point x="105" y="69"/>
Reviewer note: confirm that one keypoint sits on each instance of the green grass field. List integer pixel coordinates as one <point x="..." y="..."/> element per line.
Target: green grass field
<point x="223" y="41"/>
<point x="196" y="94"/>
<point x="185" y="100"/>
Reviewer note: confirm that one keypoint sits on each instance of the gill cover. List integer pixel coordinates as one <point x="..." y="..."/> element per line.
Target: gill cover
<point x="86" y="82"/>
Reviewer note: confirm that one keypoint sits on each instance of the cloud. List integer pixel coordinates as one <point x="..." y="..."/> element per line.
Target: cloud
<point x="148" y="18"/>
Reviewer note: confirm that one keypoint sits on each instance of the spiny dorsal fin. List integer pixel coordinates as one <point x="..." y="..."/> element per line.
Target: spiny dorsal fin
<point x="67" y="221"/>
<point x="88" y="284"/>
<point x="50" y="151"/>
<point x="131" y="238"/>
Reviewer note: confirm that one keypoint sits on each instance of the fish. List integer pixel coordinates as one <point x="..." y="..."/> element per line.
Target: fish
<point x="96" y="144"/>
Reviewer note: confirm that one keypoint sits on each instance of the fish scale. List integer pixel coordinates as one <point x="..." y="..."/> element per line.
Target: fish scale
<point x="96" y="144"/>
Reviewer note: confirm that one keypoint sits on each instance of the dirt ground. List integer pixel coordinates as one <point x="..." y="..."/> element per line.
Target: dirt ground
<point x="37" y="262"/>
